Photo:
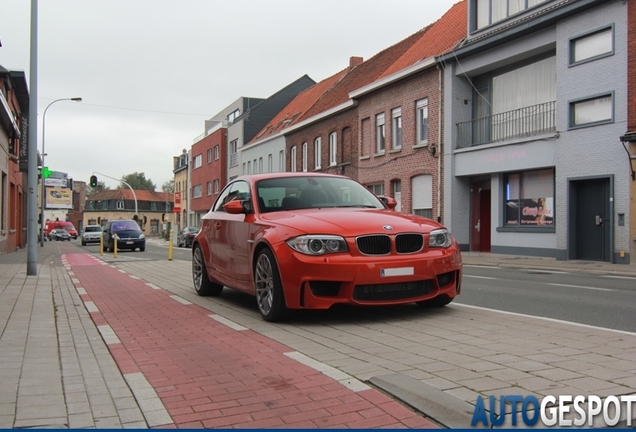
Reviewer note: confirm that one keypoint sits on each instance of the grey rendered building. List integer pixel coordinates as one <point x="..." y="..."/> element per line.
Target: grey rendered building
<point x="535" y="103"/>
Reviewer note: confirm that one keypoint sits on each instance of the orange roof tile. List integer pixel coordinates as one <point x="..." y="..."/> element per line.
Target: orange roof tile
<point x="142" y="195"/>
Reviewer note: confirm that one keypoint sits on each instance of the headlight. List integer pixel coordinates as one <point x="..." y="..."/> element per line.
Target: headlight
<point x="141" y="236"/>
<point x="440" y="238"/>
<point x="318" y="244"/>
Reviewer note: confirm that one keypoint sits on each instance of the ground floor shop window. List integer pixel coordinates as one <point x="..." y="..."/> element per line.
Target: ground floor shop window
<point x="529" y="198"/>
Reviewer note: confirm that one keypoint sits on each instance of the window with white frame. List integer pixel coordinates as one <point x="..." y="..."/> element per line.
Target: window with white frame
<point x="317" y="152"/>
<point x="270" y="163"/>
<point x="249" y="167"/>
<point x="333" y="148"/>
<point x="379" y="133"/>
<point x="422" y="195"/>
<point x="421" y="108"/>
<point x="591" y="46"/>
<point x="304" y="156"/>
<point x="376" y="188"/>
<point x="292" y="158"/>
<point x="255" y="167"/>
<point x="216" y="152"/>
<point x="234" y="153"/>
<point x="260" y="165"/>
<point x="244" y="168"/>
<point x="209" y="188"/>
<point x="209" y="155"/>
<point x="216" y="186"/>
<point x="487" y="12"/>
<point x="397" y="194"/>
<point x="592" y="111"/>
<point x="396" y="132"/>
<point x="197" y="191"/>
<point x="198" y="161"/>
<point x="281" y="161"/>
<point x="120" y="205"/>
<point x="529" y="198"/>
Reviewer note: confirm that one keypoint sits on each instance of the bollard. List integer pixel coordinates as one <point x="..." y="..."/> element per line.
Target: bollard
<point x="170" y="246"/>
<point x="101" y="244"/>
<point x="115" y="246"/>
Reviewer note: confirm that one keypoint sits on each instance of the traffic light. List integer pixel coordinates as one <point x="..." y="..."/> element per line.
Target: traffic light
<point x="93" y="181"/>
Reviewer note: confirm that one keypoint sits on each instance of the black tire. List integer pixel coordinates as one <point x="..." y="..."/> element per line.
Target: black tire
<point x="439" y="301"/>
<point x="202" y="283"/>
<point x="110" y="247"/>
<point x="83" y="243"/>
<point x="141" y="249"/>
<point x="270" y="297"/>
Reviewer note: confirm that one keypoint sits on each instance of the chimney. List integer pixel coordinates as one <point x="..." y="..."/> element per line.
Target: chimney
<point x="355" y="61"/>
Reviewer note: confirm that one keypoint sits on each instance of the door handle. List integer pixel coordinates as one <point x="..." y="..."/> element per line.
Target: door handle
<point x="599" y="220"/>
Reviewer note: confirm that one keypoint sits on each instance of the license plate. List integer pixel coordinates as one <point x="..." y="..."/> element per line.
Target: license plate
<point x="404" y="271"/>
<point x="129" y="242"/>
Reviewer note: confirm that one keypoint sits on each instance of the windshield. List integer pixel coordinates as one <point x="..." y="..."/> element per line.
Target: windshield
<point x="93" y="229"/>
<point x="69" y="227"/>
<point x="302" y="192"/>
<point x="192" y="229"/>
<point x="124" y="225"/>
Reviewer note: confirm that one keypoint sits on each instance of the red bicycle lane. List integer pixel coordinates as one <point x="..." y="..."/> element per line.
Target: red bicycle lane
<point x="208" y="374"/>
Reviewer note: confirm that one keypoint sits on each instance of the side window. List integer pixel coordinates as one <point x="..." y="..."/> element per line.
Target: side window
<point x="239" y="190"/>
<point x="222" y="199"/>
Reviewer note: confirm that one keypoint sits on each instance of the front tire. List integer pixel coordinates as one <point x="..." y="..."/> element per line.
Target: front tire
<point x="269" y="290"/>
<point x="202" y="283"/>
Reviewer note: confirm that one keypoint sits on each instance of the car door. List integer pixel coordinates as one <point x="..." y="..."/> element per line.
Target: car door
<point x="230" y="234"/>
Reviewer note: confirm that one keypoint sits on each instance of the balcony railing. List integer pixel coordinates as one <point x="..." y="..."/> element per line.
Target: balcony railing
<point x="519" y="123"/>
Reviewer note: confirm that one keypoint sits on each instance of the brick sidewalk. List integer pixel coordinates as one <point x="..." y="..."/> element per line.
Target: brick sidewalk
<point x="205" y="371"/>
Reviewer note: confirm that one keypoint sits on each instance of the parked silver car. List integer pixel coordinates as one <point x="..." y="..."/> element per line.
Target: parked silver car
<point x="91" y="234"/>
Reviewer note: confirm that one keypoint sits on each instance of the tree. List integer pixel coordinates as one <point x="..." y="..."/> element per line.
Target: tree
<point x="137" y="181"/>
<point x="100" y="186"/>
<point x="168" y="186"/>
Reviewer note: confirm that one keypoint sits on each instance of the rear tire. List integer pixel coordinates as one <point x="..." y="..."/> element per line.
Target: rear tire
<point x="439" y="301"/>
<point x="269" y="289"/>
<point x="202" y="283"/>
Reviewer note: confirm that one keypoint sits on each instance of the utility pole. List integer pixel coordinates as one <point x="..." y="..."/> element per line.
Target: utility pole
<point x="32" y="151"/>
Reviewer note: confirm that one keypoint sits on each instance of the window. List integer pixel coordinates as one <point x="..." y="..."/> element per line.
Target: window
<point x="260" y="165"/>
<point x="216" y="152"/>
<point x="304" y="157"/>
<point x="197" y="191"/>
<point x="333" y="148"/>
<point x="379" y="133"/>
<point x="491" y="11"/>
<point x="209" y="155"/>
<point x="592" y="46"/>
<point x="244" y="168"/>
<point x="293" y="159"/>
<point x="234" y="153"/>
<point x="396" y="132"/>
<point x="592" y="111"/>
<point x="239" y="190"/>
<point x="397" y="194"/>
<point x="366" y="137"/>
<point x="255" y="167"/>
<point x="249" y="167"/>
<point x="377" y="188"/>
<point x="216" y="186"/>
<point x="209" y="188"/>
<point x="270" y="163"/>
<point x="233" y="115"/>
<point x="281" y="161"/>
<point x="421" y="108"/>
<point x="105" y="205"/>
<point x="198" y="161"/>
<point x="422" y="192"/>
<point x="529" y="198"/>
<point x="317" y="152"/>
<point x="120" y="205"/>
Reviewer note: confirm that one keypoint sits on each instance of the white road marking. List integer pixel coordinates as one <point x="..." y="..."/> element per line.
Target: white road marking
<point x="153" y="286"/>
<point x="180" y="300"/>
<point x="482" y="266"/>
<point x="151" y="406"/>
<point x="479" y="277"/>
<point x="346" y="380"/>
<point x="108" y="334"/>
<point x="90" y="306"/>
<point x="582" y="287"/>
<point x="620" y="277"/>
<point x="227" y="322"/>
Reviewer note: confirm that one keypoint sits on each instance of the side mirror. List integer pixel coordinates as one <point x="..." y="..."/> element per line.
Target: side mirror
<point x="234" y="207"/>
<point x="388" y="201"/>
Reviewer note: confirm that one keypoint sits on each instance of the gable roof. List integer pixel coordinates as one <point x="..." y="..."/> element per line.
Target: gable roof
<point x="126" y="194"/>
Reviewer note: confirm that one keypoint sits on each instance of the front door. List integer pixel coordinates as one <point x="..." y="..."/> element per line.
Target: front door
<point x="591" y="220"/>
<point x="480" y="217"/>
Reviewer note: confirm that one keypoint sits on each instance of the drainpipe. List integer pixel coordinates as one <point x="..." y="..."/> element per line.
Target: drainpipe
<point x="440" y="154"/>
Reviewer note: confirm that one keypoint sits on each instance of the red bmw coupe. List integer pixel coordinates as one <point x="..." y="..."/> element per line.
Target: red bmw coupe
<point x="309" y="241"/>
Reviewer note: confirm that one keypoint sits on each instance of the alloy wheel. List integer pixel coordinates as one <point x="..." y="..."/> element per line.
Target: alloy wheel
<point x="264" y="284"/>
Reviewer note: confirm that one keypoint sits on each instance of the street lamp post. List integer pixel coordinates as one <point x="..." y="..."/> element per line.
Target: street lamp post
<point x="75" y="99"/>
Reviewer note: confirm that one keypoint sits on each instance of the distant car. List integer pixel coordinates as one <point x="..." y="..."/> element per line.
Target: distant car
<point x="59" y="234"/>
<point x="187" y="236"/>
<point x="129" y="235"/>
<point x="91" y="234"/>
<point x="310" y="241"/>
<point x="68" y="226"/>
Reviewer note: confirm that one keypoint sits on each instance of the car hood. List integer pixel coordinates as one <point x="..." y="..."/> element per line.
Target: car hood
<point x="351" y="222"/>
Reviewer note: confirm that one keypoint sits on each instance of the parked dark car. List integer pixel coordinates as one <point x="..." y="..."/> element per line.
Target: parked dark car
<point x="59" y="234"/>
<point x="186" y="236"/>
<point x="129" y="235"/>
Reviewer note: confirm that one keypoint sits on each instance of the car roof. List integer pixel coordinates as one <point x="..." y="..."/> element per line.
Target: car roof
<point x="257" y="177"/>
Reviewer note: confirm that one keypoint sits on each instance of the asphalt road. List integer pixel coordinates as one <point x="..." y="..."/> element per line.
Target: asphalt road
<point x="597" y="300"/>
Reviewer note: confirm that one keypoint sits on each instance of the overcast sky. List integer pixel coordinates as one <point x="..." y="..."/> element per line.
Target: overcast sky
<point x="150" y="72"/>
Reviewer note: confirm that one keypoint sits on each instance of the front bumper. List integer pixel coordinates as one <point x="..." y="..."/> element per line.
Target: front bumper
<point x="319" y="282"/>
<point x="131" y="243"/>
